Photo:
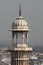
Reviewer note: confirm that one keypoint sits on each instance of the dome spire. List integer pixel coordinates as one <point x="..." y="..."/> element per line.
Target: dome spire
<point x="19" y="10"/>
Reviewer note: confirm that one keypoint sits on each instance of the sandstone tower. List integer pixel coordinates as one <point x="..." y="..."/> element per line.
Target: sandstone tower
<point x="20" y="49"/>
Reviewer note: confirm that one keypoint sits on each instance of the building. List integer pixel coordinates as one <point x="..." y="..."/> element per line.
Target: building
<point x="20" y="49"/>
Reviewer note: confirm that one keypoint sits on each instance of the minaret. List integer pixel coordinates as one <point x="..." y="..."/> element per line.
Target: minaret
<point x="20" y="49"/>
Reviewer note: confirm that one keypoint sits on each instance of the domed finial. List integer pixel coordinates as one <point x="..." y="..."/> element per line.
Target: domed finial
<point x="20" y="10"/>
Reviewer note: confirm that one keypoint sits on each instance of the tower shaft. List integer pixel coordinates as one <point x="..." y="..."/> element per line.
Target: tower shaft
<point x="19" y="58"/>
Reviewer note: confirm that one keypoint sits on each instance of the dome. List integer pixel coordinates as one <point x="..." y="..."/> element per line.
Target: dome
<point x="19" y="23"/>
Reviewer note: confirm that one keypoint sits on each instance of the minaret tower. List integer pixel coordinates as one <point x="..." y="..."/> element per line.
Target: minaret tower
<point x="20" y="49"/>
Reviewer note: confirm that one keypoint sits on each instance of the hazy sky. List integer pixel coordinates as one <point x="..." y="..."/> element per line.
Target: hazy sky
<point x="32" y="11"/>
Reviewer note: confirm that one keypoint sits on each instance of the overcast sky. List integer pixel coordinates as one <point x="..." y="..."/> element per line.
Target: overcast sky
<point x="32" y="11"/>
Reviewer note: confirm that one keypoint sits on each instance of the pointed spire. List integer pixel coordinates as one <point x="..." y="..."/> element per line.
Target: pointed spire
<point x="19" y="9"/>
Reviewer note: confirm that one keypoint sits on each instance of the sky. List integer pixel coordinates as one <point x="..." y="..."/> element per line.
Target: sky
<point x="32" y="11"/>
